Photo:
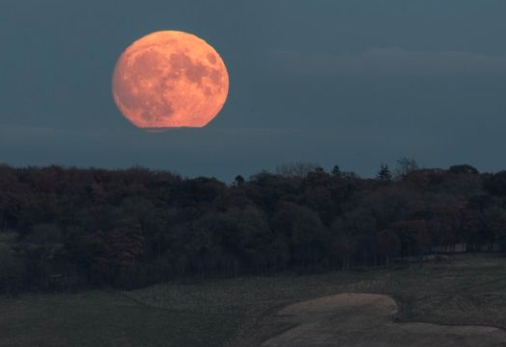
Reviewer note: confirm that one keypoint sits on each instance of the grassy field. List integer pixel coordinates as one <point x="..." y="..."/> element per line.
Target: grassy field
<point x="467" y="290"/>
<point x="6" y="240"/>
<point x="104" y="319"/>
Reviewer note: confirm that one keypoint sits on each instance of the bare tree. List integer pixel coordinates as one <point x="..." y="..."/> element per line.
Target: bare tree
<point x="405" y="165"/>
<point x="296" y="169"/>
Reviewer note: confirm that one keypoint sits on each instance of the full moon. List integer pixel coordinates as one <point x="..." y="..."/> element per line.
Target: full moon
<point x="170" y="79"/>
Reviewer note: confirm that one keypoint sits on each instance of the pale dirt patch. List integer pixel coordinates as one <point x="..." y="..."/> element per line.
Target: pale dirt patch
<point x="330" y="304"/>
<point x="367" y="320"/>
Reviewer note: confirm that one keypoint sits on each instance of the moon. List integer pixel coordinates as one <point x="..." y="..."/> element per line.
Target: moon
<point x="170" y="79"/>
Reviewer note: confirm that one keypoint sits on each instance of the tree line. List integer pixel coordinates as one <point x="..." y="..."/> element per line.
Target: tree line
<point x="68" y="228"/>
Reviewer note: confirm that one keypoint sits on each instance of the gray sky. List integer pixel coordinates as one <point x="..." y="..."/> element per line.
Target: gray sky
<point x="348" y="82"/>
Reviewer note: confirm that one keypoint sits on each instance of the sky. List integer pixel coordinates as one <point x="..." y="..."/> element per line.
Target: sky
<point x="352" y="83"/>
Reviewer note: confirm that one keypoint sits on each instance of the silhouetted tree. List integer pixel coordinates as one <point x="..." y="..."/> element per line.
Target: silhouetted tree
<point x="405" y="165"/>
<point x="384" y="174"/>
<point x="296" y="169"/>
<point x="336" y="171"/>
<point x="71" y="228"/>
<point x="463" y="169"/>
<point x="239" y="180"/>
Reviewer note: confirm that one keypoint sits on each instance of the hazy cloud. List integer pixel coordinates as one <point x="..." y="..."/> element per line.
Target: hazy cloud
<point x="390" y="61"/>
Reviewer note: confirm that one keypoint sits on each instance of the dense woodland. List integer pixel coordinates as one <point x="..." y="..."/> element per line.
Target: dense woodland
<point x="69" y="228"/>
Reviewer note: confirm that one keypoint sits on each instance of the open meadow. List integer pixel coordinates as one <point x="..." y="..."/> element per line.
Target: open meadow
<point x="466" y="290"/>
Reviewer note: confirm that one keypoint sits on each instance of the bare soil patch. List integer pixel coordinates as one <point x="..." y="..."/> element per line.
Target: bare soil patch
<point x="363" y="320"/>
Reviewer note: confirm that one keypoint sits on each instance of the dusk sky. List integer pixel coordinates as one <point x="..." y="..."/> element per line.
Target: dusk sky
<point x="353" y="83"/>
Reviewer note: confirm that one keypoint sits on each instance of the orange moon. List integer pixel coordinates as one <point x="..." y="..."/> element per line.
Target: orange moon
<point x="170" y="79"/>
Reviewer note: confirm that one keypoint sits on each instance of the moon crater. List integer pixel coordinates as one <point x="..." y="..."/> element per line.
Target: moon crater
<point x="170" y="79"/>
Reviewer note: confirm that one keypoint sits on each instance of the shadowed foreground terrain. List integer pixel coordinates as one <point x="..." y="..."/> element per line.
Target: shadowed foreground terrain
<point x="368" y="320"/>
<point x="468" y="290"/>
<point x="104" y="319"/>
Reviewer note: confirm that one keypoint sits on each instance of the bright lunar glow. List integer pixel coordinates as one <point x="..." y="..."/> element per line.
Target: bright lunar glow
<point x="170" y="79"/>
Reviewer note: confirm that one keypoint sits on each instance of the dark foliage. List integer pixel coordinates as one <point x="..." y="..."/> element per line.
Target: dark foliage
<point x="67" y="229"/>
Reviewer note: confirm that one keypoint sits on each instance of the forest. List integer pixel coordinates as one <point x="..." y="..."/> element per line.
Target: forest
<point x="67" y="229"/>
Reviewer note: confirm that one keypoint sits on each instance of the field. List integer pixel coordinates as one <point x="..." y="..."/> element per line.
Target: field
<point x="468" y="290"/>
<point x="368" y="320"/>
<point x="6" y="240"/>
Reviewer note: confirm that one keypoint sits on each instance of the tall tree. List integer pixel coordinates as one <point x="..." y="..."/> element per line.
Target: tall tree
<point x="384" y="174"/>
<point x="336" y="171"/>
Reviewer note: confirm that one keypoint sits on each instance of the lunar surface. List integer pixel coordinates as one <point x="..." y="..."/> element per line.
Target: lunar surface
<point x="170" y="79"/>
